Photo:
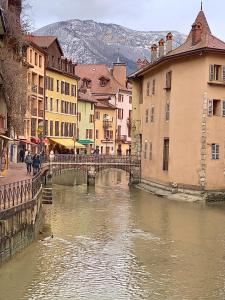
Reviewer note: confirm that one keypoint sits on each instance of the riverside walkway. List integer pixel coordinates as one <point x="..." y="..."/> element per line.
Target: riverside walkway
<point x="16" y="172"/>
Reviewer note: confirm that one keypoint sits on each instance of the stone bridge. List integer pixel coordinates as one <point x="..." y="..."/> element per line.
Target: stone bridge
<point x="93" y="164"/>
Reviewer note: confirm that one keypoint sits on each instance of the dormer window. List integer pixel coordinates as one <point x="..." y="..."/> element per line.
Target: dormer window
<point x="103" y="81"/>
<point x="86" y="83"/>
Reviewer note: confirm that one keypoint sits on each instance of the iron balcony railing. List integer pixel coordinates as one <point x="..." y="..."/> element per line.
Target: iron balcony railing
<point x="20" y="192"/>
<point x="121" y="138"/>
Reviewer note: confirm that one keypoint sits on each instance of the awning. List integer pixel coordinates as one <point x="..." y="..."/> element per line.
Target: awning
<point x="35" y="140"/>
<point x="86" y="142"/>
<point x="5" y="137"/>
<point x="68" y="143"/>
<point x="27" y="142"/>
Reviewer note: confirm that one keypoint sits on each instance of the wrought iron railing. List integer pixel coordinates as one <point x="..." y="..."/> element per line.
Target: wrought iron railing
<point x="20" y="192"/>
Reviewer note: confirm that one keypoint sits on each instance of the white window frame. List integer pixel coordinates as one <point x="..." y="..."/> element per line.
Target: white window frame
<point x="215" y="148"/>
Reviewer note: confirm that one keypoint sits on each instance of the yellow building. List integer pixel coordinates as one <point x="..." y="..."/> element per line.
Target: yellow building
<point x="105" y="127"/>
<point x="36" y="92"/>
<point x="61" y="96"/>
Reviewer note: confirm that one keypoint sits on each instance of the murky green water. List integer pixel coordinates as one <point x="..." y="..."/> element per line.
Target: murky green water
<point x="113" y="243"/>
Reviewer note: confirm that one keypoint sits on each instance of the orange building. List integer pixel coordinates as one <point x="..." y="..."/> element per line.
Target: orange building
<point x="179" y="114"/>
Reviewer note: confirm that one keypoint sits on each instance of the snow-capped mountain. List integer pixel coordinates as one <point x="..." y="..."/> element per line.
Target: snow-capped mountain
<point x="92" y="42"/>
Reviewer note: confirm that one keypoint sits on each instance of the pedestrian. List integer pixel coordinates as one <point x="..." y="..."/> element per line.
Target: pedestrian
<point x="22" y="155"/>
<point x="36" y="164"/>
<point x="28" y="162"/>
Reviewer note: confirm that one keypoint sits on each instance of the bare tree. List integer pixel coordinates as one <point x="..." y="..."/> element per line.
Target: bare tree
<point x="13" y="69"/>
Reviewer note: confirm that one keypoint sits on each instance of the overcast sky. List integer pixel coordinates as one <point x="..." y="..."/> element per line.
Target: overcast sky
<point x="135" y="14"/>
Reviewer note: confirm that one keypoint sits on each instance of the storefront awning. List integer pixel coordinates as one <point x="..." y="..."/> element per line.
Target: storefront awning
<point x="86" y="142"/>
<point x="68" y="143"/>
<point x="27" y="142"/>
<point x="5" y="137"/>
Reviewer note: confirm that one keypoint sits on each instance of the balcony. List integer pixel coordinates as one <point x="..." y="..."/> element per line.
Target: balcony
<point x="34" y="89"/>
<point x="121" y="138"/>
<point x="40" y="90"/>
<point x="107" y="124"/>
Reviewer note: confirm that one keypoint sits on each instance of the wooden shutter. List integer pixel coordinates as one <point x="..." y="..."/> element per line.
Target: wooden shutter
<point x="211" y="73"/>
<point x="223" y="73"/>
<point x="210" y="108"/>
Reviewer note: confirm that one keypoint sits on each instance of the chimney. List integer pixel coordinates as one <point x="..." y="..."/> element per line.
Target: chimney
<point x="120" y="73"/>
<point x="154" y="53"/>
<point x="161" y="48"/>
<point x="196" y="33"/>
<point x="169" y="42"/>
<point x="139" y="63"/>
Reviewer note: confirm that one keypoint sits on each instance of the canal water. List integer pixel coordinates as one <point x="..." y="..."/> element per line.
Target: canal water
<point x="112" y="242"/>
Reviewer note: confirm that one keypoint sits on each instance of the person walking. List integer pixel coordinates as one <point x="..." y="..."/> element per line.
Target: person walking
<point x="36" y="164"/>
<point x="22" y="155"/>
<point x="28" y="162"/>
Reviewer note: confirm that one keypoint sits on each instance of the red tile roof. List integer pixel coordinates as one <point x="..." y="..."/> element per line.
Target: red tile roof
<point x="95" y="72"/>
<point x="86" y="97"/>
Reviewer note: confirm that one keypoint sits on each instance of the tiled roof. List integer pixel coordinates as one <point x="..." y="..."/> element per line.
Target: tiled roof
<point x="207" y="41"/>
<point x="96" y="71"/>
<point x="100" y="104"/>
<point x="44" y="41"/>
<point x="86" y="97"/>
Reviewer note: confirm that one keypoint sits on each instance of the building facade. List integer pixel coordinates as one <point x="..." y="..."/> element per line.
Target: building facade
<point x="109" y="87"/>
<point x="61" y="85"/>
<point x="86" y="121"/>
<point x="178" y="113"/>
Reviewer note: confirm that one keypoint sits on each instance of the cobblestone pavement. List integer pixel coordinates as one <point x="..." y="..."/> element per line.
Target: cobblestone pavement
<point x="16" y="172"/>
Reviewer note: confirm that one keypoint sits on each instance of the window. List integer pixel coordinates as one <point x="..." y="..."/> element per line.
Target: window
<point x="92" y="106"/>
<point x="168" y="80"/>
<point x="148" y="88"/>
<point x="31" y="56"/>
<point x="150" y="150"/>
<point x="35" y="59"/>
<point x="130" y="99"/>
<point x="153" y="87"/>
<point x="79" y="117"/>
<point x="46" y="103"/>
<point x="119" y="98"/>
<point x="166" y="154"/>
<point x="56" y="128"/>
<point x="223" y="108"/>
<point x="120" y="113"/>
<point x="146" y="116"/>
<point x="152" y="114"/>
<point x="97" y="115"/>
<point x="87" y="133"/>
<point x="51" y="128"/>
<point x="217" y="73"/>
<point x="167" y="111"/>
<point x="40" y="61"/>
<point x="214" y="108"/>
<point x="46" y="127"/>
<point x="91" y="119"/>
<point x="145" y="149"/>
<point x="57" y="86"/>
<point x="57" y="105"/>
<point x="215" y="151"/>
<point x="67" y="88"/>
<point x="97" y="134"/>
<point x="73" y="90"/>
<point x="51" y="104"/>
<point x="62" y="87"/>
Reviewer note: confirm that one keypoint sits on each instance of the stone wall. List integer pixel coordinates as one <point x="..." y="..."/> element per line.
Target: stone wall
<point x="19" y="228"/>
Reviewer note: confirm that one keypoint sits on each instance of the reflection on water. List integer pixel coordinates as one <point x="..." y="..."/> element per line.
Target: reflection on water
<point x="111" y="242"/>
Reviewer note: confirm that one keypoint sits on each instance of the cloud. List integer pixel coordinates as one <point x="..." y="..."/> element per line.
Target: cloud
<point x="140" y="15"/>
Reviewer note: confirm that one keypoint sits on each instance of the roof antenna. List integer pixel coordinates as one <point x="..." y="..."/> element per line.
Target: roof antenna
<point x="201" y="4"/>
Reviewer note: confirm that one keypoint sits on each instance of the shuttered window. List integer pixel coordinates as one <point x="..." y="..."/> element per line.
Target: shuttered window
<point x="150" y="150"/>
<point x="146" y="116"/>
<point x="217" y="73"/>
<point x="152" y="114"/>
<point x="223" y="108"/>
<point x="210" y="108"/>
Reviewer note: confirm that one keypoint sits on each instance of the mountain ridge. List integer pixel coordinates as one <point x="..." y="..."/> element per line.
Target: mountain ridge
<point x="87" y="41"/>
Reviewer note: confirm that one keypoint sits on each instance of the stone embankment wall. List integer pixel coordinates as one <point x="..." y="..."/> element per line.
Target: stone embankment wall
<point x="19" y="227"/>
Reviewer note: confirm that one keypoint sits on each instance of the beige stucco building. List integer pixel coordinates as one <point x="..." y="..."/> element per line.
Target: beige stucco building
<point x="178" y="116"/>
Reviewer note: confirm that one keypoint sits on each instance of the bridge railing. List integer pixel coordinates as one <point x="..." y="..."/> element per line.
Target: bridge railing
<point x="20" y="192"/>
<point x="107" y="159"/>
